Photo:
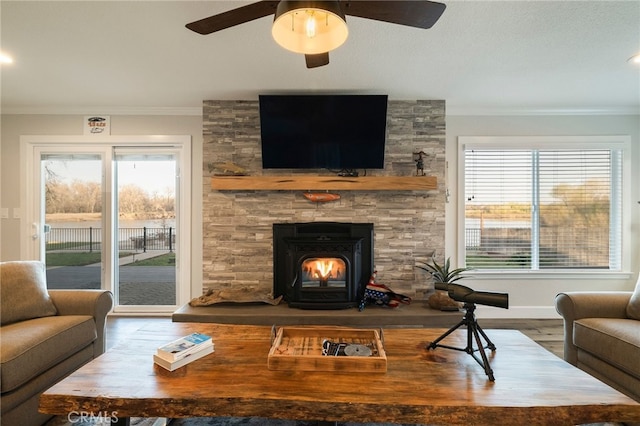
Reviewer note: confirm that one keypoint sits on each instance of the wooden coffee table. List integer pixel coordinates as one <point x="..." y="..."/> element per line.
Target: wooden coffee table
<point x="532" y="386"/>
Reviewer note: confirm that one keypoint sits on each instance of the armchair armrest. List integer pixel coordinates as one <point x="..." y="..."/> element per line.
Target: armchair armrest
<point x="582" y="304"/>
<point x="97" y="303"/>
<point x="596" y="304"/>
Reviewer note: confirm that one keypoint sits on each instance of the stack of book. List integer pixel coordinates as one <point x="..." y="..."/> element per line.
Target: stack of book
<point x="183" y="351"/>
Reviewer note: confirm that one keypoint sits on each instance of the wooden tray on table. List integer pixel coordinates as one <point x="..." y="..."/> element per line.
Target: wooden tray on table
<point x="301" y="349"/>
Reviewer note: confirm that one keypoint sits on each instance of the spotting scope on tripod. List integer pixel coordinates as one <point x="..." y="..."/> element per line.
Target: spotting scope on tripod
<point x="470" y="298"/>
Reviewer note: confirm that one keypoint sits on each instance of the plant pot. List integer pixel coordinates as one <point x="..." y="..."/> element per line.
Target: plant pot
<point x="440" y="300"/>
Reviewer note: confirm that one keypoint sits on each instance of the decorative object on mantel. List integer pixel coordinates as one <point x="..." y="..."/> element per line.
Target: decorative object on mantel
<point x="418" y="157"/>
<point x="381" y="295"/>
<point x="442" y="274"/>
<point x="239" y="295"/>
<point x="321" y="197"/>
<point x="226" y="169"/>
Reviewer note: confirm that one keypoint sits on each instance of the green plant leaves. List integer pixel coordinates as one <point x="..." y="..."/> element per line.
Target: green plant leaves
<point x="442" y="273"/>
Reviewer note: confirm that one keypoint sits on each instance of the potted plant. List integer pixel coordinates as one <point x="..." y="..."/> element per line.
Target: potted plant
<point x="443" y="274"/>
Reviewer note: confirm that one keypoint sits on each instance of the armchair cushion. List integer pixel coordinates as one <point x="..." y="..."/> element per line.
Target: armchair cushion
<point x="23" y="286"/>
<point x="613" y="340"/>
<point x="29" y="348"/>
<point x="633" y="308"/>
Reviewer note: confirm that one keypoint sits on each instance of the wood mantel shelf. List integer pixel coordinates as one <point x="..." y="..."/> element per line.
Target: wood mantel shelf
<point x="322" y="183"/>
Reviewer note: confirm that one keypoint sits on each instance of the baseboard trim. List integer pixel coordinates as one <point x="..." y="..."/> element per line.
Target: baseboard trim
<point x="518" y="312"/>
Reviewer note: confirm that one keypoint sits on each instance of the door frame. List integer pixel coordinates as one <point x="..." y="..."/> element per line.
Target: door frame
<point x="31" y="226"/>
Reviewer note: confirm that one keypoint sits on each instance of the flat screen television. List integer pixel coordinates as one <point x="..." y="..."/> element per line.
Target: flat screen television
<point x="323" y="131"/>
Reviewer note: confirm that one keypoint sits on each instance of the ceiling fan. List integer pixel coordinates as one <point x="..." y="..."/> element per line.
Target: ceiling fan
<point x="314" y="28"/>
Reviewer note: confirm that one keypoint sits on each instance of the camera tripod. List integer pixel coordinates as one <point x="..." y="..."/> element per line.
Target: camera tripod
<point x="473" y="331"/>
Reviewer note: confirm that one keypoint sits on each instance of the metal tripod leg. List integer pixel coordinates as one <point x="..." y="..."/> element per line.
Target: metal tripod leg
<point x="435" y="344"/>
<point x="490" y="344"/>
<point x="475" y="329"/>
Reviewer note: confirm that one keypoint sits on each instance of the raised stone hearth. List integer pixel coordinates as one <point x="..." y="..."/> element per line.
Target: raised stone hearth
<point x="417" y="315"/>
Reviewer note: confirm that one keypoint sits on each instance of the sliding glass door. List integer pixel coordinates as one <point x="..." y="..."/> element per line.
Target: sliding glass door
<point x="112" y="216"/>
<point x="145" y="228"/>
<point x="73" y="215"/>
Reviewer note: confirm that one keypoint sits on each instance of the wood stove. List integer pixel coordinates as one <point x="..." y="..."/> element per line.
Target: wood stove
<point x="322" y="265"/>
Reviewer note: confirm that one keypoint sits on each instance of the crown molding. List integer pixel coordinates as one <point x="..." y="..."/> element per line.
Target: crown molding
<point x="496" y="111"/>
<point x="186" y="111"/>
<point x="451" y="110"/>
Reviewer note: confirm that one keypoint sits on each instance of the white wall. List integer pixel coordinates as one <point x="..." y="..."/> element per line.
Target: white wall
<point x="529" y="298"/>
<point x="533" y="297"/>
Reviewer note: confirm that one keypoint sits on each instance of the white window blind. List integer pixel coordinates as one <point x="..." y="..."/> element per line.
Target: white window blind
<point x="538" y="209"/>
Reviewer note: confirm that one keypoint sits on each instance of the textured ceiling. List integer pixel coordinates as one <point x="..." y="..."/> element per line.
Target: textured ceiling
<point x="481" y="57"/>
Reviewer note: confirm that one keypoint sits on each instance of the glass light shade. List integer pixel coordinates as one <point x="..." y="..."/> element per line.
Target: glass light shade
<point x="5" y="59"/>
<point x="309" y="30"/>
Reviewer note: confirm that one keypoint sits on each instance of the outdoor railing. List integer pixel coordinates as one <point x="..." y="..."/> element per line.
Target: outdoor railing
<point x="561" y="247"/>
<point x="90" y="239"/>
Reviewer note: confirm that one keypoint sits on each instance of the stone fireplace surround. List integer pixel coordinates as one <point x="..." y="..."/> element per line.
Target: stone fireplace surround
<point x="237" y="225"/>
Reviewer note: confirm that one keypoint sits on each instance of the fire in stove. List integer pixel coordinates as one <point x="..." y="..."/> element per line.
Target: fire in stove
<point x="324" y="272"/>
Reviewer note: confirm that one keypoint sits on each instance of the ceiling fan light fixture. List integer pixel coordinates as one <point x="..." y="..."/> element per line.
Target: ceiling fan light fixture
<point x="309" y="27"/>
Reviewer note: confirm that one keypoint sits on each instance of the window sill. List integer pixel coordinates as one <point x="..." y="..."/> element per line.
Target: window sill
<point x="551" y="274"/>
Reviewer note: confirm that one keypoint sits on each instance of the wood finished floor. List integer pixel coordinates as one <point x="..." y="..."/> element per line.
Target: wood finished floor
<point x="546" y="332"/>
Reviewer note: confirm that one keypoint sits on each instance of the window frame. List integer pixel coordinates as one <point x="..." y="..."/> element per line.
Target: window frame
<point x="622" y="142"/>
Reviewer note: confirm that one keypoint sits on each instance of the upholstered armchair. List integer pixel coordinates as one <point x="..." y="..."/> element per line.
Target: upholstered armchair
<point x="45" y="335"/>
<point x="602" y="336"/>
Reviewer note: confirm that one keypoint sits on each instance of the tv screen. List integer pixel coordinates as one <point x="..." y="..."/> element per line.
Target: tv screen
<point x="323" y="131"/>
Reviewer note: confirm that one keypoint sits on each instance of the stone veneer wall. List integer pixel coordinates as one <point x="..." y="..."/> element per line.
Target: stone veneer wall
<point x="408" y="225"/>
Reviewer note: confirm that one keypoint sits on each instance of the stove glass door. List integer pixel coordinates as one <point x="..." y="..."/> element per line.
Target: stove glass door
<point x="324" y="272"/>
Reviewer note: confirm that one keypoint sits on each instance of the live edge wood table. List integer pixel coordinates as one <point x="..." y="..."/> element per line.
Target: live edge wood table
<point x="440" y="386"/>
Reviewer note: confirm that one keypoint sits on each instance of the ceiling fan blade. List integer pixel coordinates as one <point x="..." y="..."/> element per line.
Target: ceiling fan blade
<point x="315" y="61"/>
<point x="412" y="13"/>
<point x="233" y="17"/>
